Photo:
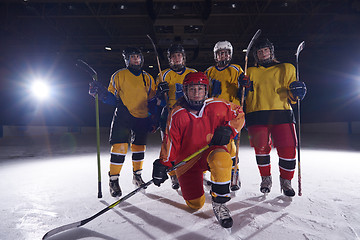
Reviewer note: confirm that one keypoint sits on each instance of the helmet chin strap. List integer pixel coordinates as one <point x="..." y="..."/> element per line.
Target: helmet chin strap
<point x="135" y="69"/>
<point x="177" y="67"/>
<point x="266" y="61"/>
<point x="223" y="63"/>
<point x="194" y="105"/>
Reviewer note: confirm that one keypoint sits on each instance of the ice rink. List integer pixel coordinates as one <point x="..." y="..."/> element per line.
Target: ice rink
<point x="47" y="182"/>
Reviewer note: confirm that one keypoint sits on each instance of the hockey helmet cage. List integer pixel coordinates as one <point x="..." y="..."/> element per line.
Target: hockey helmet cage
<point x="132" y="51"/>
<point x="223" y="45"/>
<point x="176" y="48"/>
<point x="195" y="78"/>
<point x="260" y="43"/>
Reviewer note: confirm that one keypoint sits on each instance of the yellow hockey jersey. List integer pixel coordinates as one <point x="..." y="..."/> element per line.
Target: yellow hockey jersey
<point x="228" y="78"/>
<point x="267" y="101"/>
<point x="133" y="90"/>
<point x="173" y="79"/>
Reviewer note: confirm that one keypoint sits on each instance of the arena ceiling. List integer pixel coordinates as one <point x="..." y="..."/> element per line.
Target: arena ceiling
<point x="83" y="29"/>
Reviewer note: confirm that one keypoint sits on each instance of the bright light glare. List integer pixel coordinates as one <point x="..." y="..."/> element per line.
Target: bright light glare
<point x="40" y="90"/>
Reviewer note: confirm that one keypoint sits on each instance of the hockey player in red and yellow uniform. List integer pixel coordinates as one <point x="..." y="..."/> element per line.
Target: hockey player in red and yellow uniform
<point x="271" y="87"/>
<point x="171" y="83"/>
<point x="193" y="123"/>
<point x="131" y="90"/>
<point x="224" y="84"/>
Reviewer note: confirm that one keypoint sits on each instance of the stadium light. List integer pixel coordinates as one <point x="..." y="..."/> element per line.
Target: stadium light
<point x="40" y="90"/>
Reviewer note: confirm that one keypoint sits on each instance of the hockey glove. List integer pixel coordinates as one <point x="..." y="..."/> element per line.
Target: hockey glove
<point x="298" y="89"/>
<point x="159" y="173"/>
<point x="221" y="136"/>
<point x="216" y="88"/>
<point x="163" y="88"/>
<point x="96" y="87"/>
<point x="244" y="81"/>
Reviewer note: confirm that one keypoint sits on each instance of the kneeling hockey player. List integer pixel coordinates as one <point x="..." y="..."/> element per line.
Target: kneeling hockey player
<point x="195" y="122"/>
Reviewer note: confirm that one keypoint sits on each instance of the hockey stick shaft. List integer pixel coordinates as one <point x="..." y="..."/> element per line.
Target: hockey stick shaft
<point x="159" y="67"/>
<point x="86" y="67"/>
<point x="237" y="143"/>
<point x="83" y="222"/>
<point x="248" y="49"/>
<point x="157" y="56"/>
<point x="299" y="49"/>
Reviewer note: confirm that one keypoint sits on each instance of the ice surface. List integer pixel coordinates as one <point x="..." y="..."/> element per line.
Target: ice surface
<point x="52" y="181"/>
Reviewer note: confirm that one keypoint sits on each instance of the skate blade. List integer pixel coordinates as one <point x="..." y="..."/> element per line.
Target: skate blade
<point x="179" y="192"/>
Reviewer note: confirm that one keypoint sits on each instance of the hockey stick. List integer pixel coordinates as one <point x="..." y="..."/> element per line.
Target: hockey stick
<point x="86" y="67"/>
<point x="159" y="67"/>
<point x="251" y="43"/>
<point x="235" y="176"/>
<point x="83" y="222"/>
<point x="299" y="49"/>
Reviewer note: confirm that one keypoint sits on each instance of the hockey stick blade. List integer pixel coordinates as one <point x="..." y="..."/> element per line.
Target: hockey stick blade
<point x="153" y="44"/>
<point x="256" y="35"/>
<point x="157" y="57"/>
<point x="83" y="222"/>
<point x="87" y="68"/>
<point x="299" y="49"/>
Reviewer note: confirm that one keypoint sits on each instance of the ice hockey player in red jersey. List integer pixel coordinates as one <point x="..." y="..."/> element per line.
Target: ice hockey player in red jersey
<point x="195" y="122"/>
<point x="271" y="87"/>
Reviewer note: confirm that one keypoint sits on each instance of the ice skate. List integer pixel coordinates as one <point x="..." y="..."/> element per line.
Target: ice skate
<point x="222" y="214"/>
<point x="286" y="187"/>
<point x="137" y="179"/>
<point x="235" y="181"/>
<point x="266" y="183"/>
<point x="174" y="182"/>
<point x="115" y="189"/>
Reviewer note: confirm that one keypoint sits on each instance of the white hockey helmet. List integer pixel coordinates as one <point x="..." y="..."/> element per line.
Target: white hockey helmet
<point x="223" y="45"/>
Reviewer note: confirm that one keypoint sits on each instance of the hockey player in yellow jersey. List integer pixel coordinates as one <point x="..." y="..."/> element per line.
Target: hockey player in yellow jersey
<point x="271" y="87"/>
<point x="224" y="84"/>
<point x="171" y="83"/>
<point x="174" y="75"/>
<point x="132" y="91"/>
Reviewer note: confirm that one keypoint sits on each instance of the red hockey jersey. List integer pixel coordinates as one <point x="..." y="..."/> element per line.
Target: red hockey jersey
<point x="187" y="132"/>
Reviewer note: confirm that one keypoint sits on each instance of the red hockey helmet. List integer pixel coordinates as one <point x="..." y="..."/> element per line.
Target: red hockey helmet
<point x="195" y="78"/>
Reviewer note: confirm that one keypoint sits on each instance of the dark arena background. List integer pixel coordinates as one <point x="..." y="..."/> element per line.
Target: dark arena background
<point x="43" y="39"/>
<point x="52" y="166"/>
